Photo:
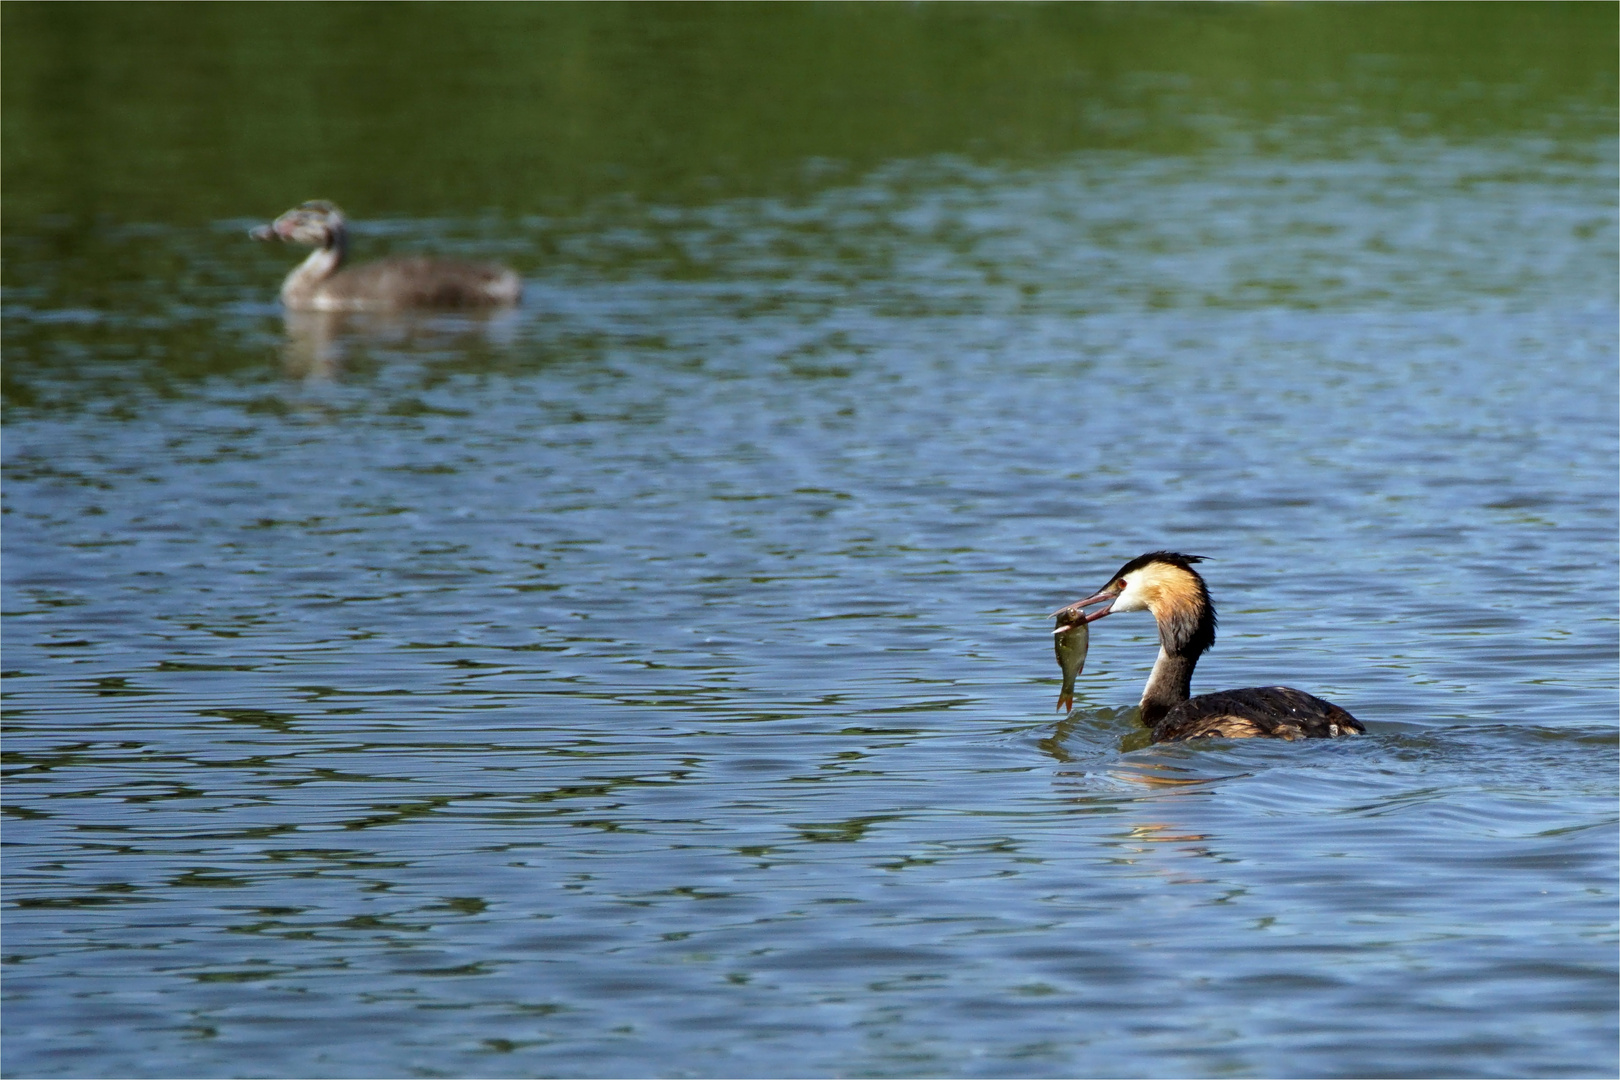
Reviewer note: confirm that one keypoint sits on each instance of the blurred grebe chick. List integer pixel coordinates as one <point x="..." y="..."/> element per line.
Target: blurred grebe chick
<point x="1165" y="584"/>
<point x="321" y="283"/>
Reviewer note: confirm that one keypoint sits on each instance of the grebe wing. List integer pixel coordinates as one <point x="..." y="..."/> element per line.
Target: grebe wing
<point x="1256" y="712"/>
<point x="424" y="283"/>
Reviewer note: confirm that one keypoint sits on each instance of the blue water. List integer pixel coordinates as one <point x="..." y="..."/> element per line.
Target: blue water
<point x="656" y="680"/>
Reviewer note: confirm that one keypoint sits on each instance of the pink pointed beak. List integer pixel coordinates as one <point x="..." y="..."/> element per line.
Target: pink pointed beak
<point x="280" y="229"/>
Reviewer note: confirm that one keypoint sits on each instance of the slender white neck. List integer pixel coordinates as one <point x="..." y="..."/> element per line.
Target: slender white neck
<point x="1168" y="686"/>
<point x="307" y="276"/>
<point x="1159" y="678"/>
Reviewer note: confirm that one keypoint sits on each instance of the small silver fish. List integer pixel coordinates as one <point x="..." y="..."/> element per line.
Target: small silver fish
<point x="1070" y="641"/>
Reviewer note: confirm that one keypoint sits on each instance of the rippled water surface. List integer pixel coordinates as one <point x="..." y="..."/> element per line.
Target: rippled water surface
<point x="656" y="680"/>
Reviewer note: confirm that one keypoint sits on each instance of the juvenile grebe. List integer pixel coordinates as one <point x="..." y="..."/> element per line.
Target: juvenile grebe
<point x="1165" y="583"/>
<point x="318" y="283"/>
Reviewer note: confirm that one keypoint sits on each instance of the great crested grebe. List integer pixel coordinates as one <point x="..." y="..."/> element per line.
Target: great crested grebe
<point x="1165" y="583"/>
<point x="319" y="283"/>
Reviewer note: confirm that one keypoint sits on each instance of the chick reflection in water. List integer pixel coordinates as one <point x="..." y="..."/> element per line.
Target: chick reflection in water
<point x="323" y="298"/>
<point x="319" y="344"/>
<point x="1164" y="584"/>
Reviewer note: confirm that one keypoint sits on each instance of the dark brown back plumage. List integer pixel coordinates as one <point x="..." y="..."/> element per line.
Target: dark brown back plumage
<point x="1266" y="712"/>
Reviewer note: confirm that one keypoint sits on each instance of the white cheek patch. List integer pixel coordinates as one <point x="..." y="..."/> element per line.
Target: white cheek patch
<point x="1131" y="599"/>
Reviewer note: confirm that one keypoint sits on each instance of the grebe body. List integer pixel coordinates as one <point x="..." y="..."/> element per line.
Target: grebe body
<point x="322" y="283"/>
<point x="1165" y="584"/>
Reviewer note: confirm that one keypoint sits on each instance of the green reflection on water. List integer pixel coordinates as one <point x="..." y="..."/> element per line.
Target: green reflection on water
<point x="194" y="112"/>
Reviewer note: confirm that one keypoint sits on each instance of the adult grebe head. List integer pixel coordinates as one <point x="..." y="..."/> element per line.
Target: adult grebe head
<point x="1164" y="584"/>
